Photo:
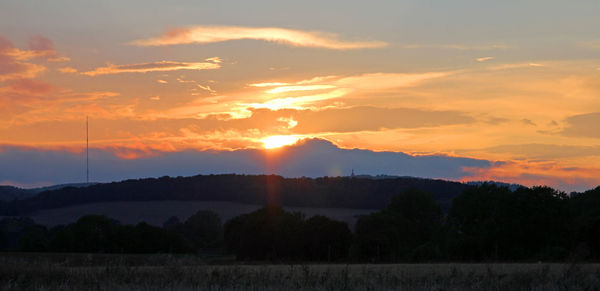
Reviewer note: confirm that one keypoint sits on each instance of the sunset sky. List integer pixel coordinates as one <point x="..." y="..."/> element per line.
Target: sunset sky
<point x="513" y="83"/>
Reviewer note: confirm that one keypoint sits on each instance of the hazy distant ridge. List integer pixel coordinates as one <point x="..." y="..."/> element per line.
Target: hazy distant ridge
<point x="329" y="192"/>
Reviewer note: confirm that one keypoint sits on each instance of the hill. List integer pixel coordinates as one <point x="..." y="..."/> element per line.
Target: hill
<point x="325" y="192"/>
<point x="9" y="193"/>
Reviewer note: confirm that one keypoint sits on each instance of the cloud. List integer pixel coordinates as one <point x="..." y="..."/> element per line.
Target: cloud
<point x="583" y="125"/>
<point x="197" y="86"/>
<point x="387" y="80"/>
<point x="215" y="60"/>
<point x="332" y="87"/>
<point x="39" y="46"/>
<point x="162" y="66"/>
<point x="112" y="125"/>
<point x="528" y="122"/>
<point x="311" y="158"/>
<point x="516" y="66"/>
<point x="25" y="103"/>
<point x="535" y="173"/>
<point x="462" y="47"/>
<point x="483" y="59"/>
<point x="546" y="151"/>
<point x="371" y="119"/>
<point x="271" y="84"/>
<point x="30" y="86"/>
<point x="299" y="38"/>
<point x="13" y="65"/>
<point x="40" y="43"/>
<point x="282" y="89"/>
<point x="67" y="70"/>
<point x="592" y="44"/>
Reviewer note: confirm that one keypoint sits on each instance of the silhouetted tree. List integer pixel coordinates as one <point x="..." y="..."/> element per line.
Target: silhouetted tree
<point x="99" y="234"/>
<point x="325" y="239"/>
<point x="172" y="223"/>
<point x="411" y="223"/>
<point x="203" y="229"/>
<point x="12" y="229"/>
<point x="491" y="222"/>
<point x="267" y="233"/>
<point x="35" y="239"/>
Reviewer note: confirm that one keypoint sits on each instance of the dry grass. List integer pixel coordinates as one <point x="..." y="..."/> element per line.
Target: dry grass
<point x="166" y="272"/>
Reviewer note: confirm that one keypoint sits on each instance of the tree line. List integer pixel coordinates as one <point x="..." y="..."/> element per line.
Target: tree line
<point x="483" y="223"/>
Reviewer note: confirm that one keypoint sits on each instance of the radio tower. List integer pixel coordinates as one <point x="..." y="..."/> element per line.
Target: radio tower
<point x="87" y="152"/>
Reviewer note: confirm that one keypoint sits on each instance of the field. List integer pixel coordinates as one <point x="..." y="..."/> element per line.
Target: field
<point x="157" y="212"/>
<point x="167" y="272"/>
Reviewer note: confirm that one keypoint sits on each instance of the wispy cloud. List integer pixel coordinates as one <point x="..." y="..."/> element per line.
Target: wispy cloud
<point x="271" y="84"/>
<point x="299" y="38"/>
<point x="13" y="62"/>
<point x="162" y="66"/>
<point x="67" y="70"/>
<point x="483" y="59"/>
<point x="282" y="89"/>
<point x="462" y="47"/>
<point x="583" y="125"/>
<point x="332" y="87"/>
<point x="39" y="47"/>
<point x="592" y="44"/>
<point x="517" y="66"/>
<point x="528" y="122"/>
<point x="30" y="86"/>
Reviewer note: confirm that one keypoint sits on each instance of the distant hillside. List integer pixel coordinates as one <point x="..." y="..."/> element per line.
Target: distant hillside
<point x="8" y="193"/>
<point x="326" y="192"/>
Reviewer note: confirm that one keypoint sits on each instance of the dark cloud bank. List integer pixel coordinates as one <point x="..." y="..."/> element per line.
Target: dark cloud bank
<point x="311" y="158"/>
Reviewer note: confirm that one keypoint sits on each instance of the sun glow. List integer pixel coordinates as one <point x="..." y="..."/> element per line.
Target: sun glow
<point x="277" y="141"/>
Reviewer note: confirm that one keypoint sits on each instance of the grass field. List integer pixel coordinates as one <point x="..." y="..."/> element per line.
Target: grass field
<point x="167" y="272"/>
<point x="157" y="212"/>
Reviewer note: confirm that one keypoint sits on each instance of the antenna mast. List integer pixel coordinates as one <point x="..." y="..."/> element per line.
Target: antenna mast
<point x="87" y="152"/>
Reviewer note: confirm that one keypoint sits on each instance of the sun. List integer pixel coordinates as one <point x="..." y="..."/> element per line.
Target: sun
<point x="277" y="141"/>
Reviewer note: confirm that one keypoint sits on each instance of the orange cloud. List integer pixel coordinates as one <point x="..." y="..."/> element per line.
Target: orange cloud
<point x="12" y="65"/>
<point x="67" y="70"/>
<point x="30" y="86"/>
<point x="299" y="88"/>
<point x="39" y="47"/>
<point x="460" y="47"/>
<point x="299" y="38"/>
<point x="332" y="87"/>
<point x="162" y="66"/>
<point x="583" y="125"/>
<point x="535" y="173"/>
<point x="483" y="59"/>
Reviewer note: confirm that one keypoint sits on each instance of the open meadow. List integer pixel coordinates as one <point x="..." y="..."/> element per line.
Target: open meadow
<point x="28" y="271"/>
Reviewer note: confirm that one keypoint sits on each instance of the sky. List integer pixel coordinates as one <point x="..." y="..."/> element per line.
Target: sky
<point x="513" y="84"/>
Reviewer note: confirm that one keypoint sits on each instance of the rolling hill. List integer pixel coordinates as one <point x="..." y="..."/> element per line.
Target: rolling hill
<point x="325" y="192"/>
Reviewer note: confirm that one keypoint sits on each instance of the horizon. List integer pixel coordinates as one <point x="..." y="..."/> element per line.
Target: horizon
<point x="482" y="91"/>
<point x="316" y="144"/>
